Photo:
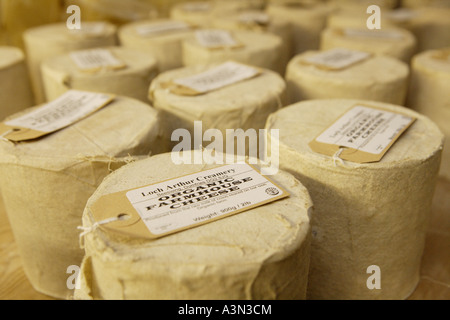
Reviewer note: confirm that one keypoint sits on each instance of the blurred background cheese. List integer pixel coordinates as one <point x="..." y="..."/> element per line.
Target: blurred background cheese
<point x="196" y="13"/>
<point x="379" y="78"/>
<point x="45" y="184"/>
<point x="15" y="88"/>
<point x="164" y="45"/>
<point x="254" y="48"/>
<point x="395" y="42"/>
<point x="46" y="41"/>
<point x="262" y="253"/>
<point x="61" y="73"/>
<point x="429" y="93"/>
<point x="365" y="214"/>
<point x="425" y="3"/>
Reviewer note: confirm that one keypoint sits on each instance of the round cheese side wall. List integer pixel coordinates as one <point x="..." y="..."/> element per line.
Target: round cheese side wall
<point x="45" y="184"/>
<point x="261" y="253"/>
<point x="373" y="214"/>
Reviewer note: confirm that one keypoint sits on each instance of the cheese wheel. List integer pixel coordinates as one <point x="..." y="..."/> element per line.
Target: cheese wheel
<point x="262" y="50"/>
<point x="307" y="22"/>
<point x="45" y="184"/>
<point x="261" y="253"/>
<point x="165" y="46"/>
<point x="61" y="73"/>
<point x="379" y="78"/>
<point x="425" y="3"/>
<point x="429" y="94"/>
<point x="54" y="39"/>
<point x="224" y="6"/>
<point x="366" y="215"/>
<point x="15" y="89"/>
<point x="395" y="42"/>
<point x="363" y="4"/>
<point x="196" y="13"/>
<point x="241" y="105"/>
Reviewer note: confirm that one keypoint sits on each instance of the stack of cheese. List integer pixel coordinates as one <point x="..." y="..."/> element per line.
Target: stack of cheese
<point x="368" y="215"/>
<point x="160" y="39"/>
<point x="259" y="49"/>
<point x="429" y="93"/>
<point x="46" y="182"/>
<point x="395" y="42"/>
<point x="261" y="253"/>
<point x="51" y="40"/>
<point x="122" y="71"/>
<point x="225" y="96"/>
<point x="347" y="74"/>
<point x="15" y="89"/>
<point x="196" y="13"/>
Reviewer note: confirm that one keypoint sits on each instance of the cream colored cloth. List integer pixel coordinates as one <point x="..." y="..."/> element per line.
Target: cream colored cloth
<point x="429" y="94"/>
<point x="61" y="73"/>
<point x="54" y="39"/>
<point x="15" y="88"/>
<point x="45" y="184"/>
<point x="262" y="253"/>
<point x="365" y="214"/>
<point x="379" y="78"/>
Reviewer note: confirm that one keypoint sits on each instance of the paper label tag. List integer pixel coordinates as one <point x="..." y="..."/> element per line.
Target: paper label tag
<point x="259" y="18"/>
<point x="171" y="206"/>
<point x="336" y="59"/>
<point x="218" y="77"/>
<point x="69" y="108"/>
<point x="364" y="133"/>
<point x="90" y="29"/>
<point x="152" y="29"/>
<point x="216" y="39"/>
<point x="96" y="59"/>
<point x="373" y="34"/>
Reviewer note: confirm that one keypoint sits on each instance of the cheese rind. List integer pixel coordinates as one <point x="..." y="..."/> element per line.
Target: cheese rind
<point x="45" y="184"/>
<point x="61" y="73"/>
<point x="261" y="253"/>
<point x="365" y="214"/>
<point x="378" y="78"/>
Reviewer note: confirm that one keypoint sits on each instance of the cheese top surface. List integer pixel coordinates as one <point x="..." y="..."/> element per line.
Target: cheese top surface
<point x="302" y="122"/>
<point x="384" y="37"/>
<point x="260" y="235"/>
<point x="375" y="69"/>
<point x="10" y="56"/>
<point x="113" y="131"/>
<point x="134" y="30"/>
<point x="437" y="61"/>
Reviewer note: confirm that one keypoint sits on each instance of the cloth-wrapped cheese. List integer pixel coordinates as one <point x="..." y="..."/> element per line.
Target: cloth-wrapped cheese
<point x="366" y="215"/>
<point x="429" y="94"/>
<point x="125" y="71"/>
<point x="54" y="39"/>
<point x="45" y="184"/>
<point x="15" y="89"/>
<point x="395" y="42"/>
<point x="259" y="49"/>
<point x="261" y="253"/>
<point x="161" y="39"/>
<point x="379" y="78"/>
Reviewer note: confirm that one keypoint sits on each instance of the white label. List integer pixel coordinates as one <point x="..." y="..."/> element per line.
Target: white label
<point x="218" y="77"/>
<point x="401" y="15"/>
<point x="196" y="198"/>
<point x="91" y="28"/>
<point x="62" y="112"/>
<point x="254" y="17"/>
<point x="161" y="27"/>
<point x="375" y="34"/>
<point x="215" y="38"/>
<point x="337" y="58"/>
<point x="366" y="129"/>
<point x="197" y="7"/>
<point x="95" y="58"/>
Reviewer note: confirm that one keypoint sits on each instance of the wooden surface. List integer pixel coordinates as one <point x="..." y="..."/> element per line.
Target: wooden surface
<point x="434" y="284"/>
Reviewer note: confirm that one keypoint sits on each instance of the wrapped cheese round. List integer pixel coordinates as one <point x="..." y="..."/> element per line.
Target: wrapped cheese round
<point x="307" y="21"/>
<point x="45" y="184"/>
<point x="360" y="76"/>
<point x="15" y="89"/>
<point x="370" y="219"/>
<point x="240" y="105"/>
<point x="160" y="39"/>
<point x="118" y="70"/>
<point x="54" y="39"/>
<point x="395" y="42"/>
<point x="261" y="253"/>
<point x="429" y="94"/>
<point x="259" y="49"/>
<point x="196" y="13"/>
